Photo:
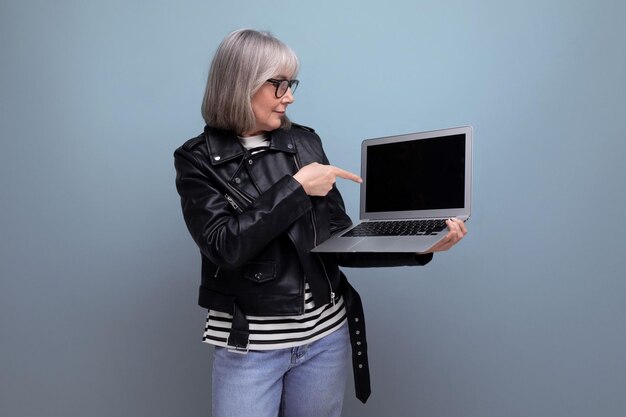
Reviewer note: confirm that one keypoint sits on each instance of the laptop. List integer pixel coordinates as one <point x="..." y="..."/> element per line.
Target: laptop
<point x="411" y="184"/>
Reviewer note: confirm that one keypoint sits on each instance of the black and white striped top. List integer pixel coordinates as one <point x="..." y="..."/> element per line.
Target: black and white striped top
<point x="268" y="333"/>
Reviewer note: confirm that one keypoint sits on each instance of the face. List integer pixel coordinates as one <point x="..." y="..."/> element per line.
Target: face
<point x="269" y="111"/>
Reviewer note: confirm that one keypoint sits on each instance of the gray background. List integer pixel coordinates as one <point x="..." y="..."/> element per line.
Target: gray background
<point x="99" y="276"/>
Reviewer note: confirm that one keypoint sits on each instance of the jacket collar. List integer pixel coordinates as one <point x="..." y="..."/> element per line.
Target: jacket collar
<point x="224" y="145"/>
<point x="282" y="140"/>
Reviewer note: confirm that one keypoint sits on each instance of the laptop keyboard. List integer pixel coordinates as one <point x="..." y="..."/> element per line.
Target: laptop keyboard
<point x="397" y="228"/>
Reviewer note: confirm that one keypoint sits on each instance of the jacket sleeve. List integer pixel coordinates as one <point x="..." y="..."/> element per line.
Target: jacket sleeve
<point x="226" y="238"/>
<point x="339" y="221"/>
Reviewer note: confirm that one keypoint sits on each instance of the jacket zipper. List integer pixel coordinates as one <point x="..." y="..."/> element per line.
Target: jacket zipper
<point x="314" y="223"/>
<point x="237" y="208"/>
<point x="332" y="293"/>
<point x="233" y="204"/>
<point x="246" y="199"/>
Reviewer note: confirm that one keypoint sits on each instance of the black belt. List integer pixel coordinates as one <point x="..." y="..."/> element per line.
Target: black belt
<point x="240" y="331"/>
<point x="356" y="325"/>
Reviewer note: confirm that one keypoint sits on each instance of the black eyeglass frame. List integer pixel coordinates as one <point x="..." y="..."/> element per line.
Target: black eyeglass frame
<point x="293" y="84"/>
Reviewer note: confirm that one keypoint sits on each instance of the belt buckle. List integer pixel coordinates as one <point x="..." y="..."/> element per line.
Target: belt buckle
<point x="242" y="350"/>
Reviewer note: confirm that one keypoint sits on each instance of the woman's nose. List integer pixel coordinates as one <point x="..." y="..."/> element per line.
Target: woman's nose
<point x="288" y="97"/>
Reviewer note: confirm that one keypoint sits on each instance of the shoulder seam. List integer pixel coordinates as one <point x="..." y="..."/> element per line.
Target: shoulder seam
<point x="188" y="146"/>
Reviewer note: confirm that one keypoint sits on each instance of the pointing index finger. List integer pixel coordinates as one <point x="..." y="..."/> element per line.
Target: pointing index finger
<point x="342" y="173"/>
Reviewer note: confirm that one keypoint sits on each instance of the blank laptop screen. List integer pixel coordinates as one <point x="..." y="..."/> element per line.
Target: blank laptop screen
<point x="433" y="168"/>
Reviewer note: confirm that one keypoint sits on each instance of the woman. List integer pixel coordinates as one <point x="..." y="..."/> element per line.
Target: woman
<point x="257" y="193"/>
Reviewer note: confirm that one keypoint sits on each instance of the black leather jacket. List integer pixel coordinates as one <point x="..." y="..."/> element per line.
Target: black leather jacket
<point x="255" y="225"/>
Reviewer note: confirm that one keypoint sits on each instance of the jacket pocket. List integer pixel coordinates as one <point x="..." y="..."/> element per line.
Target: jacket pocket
<point x="260" y="272"/>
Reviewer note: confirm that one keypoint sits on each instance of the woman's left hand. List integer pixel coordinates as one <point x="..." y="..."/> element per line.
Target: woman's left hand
<point x="456" y="232"/>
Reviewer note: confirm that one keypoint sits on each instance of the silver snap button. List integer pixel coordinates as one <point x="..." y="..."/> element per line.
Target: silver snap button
<point x="357" y="332"/>
<point x="358" y="343"/>
<point x="258" y="275"/>
<point x="360" y="365"/>
<point x="290" y="146"/>
<point x="217" y="158"/>
<point x="359" y="353"/>
<point x="356" y="319"/>
<point x="237" y="180"/>
<point x="250" y="161"/>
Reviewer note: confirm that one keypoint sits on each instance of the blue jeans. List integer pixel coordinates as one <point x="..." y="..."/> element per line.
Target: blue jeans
<point x="305" y="381"/>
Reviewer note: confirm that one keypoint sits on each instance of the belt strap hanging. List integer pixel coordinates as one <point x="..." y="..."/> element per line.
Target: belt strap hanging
<point x="356" y="325"/>
<point x="239" y="332"/>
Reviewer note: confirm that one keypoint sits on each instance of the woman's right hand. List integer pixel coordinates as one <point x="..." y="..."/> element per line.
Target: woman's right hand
<point x="318" y="179"/>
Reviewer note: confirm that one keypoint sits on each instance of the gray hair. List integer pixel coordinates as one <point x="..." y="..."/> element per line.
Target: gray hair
<point x="244" y="60"/>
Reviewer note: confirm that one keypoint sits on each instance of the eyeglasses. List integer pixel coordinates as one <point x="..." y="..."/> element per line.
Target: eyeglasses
<point x="283" y="85"/>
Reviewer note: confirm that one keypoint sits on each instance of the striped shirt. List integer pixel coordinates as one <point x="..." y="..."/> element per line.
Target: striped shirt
<point x="279" y="332"/>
